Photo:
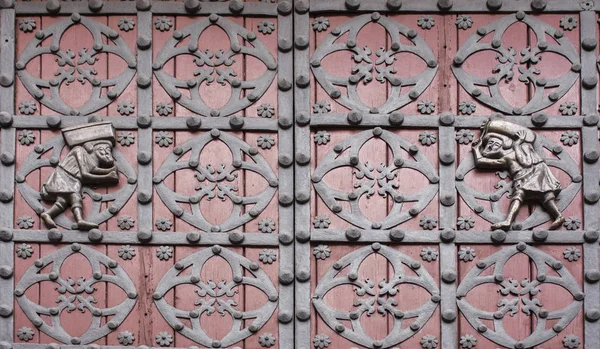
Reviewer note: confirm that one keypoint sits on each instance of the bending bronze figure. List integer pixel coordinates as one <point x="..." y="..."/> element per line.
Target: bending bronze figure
<point x="90" y="162"/>
<point x="507" y="146"/>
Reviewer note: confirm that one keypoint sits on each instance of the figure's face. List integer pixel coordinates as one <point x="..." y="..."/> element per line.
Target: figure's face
<point x="493" y="148"/>
<point x="103" y="153"/>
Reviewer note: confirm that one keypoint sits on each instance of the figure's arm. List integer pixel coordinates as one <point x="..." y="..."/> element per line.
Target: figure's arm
<point x="103" y="171"/>
<point x="91" y="175"/>
<point x="482" y="161"/>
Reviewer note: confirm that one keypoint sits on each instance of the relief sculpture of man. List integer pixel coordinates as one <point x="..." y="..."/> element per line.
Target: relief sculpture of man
<point x="507" y="146"/>
<point x="90" y="162"/>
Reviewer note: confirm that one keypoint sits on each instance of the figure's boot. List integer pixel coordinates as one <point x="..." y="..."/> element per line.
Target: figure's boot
<point x="48" y="215"/>
<point x="559" y="219"/>
<point x="510" y="217"/>
<point x="81" y="224"/>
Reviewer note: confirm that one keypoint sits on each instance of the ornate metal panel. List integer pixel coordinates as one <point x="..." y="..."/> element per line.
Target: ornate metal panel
<point x="298" y="174"/>
<point x="387" y="120"/>
<point x="146" y="178"/>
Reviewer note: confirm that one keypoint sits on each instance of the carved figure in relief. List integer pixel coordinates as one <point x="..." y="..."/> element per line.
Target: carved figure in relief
<point x="90" y="162"/>
<point x="507" y="146"/>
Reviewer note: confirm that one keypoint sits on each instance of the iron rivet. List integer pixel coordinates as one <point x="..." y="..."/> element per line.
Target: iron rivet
<point x="396" y="235"/>
<point x="192" y="6"/>
<point x="352" y="4"/>
<point x="444" y="4"/>
<point x="538" y="5"/>
<point x="284" y="7"/>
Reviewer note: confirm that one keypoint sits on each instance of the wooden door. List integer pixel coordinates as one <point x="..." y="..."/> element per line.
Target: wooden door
<point x="396" y="233"/>
<point x="294" y="174"/>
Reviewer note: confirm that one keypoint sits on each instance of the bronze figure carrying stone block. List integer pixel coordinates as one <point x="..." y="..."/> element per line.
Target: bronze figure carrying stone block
<point x="90" y="162"/>
<point x="507" y="146"/>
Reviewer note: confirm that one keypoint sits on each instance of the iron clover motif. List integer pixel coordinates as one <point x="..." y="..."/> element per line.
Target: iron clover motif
<point x="509" y="147"/>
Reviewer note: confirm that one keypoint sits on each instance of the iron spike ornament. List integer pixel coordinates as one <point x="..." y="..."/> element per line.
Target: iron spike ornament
<point x="507" y="146"/>
<point x="90" y="161"/>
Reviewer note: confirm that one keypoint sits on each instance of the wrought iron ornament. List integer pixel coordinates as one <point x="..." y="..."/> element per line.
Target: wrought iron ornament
<point x="405" y="322"/>
<point x="78" y="65"/>
<point x="216" y="296"/>
<point x="478" y="87"/>
<point x="76" y="294"/>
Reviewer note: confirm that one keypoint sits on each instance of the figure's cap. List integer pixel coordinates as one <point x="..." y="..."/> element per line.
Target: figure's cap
<point x="508" y="129"/>
<point x="97" y="131"/>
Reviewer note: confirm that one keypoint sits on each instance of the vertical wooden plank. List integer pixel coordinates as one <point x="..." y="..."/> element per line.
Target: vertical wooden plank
<point x="553" y="66"/>
<point x="20" y="208"/>
<point x="159" y="38"/>
<point x="554" y="297"/>
<point x="254" y="184"/>
<point x="410" y="297"/>
<point x="115" y="64"/>
<point x="481" y="64"/>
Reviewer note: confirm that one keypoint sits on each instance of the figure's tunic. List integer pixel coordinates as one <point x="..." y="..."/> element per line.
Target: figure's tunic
<point x="66" y="179"/>
<point x="538" y="179"/>
<point x="534" y="176"/>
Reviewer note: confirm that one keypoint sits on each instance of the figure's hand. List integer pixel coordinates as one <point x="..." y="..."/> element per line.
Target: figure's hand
<point x="114" y="175"/>
<point x="475" y="143"/>
<point x="521" y="136"/>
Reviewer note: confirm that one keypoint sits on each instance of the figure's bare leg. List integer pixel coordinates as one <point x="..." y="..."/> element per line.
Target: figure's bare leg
<point x="56" y="209"/>
<point x="48" y="215"/>
<point x="82" y="224"/>
<point x="559" y="219"/>
<point x="510" y="217"/>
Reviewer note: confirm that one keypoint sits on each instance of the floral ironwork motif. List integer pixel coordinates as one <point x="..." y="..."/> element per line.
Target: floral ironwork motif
<point x="164" y="108"/>
<point x="102" y="207"/>
<point x="520" y="295"/>
<point x="372" y="298"/>
<point x="164" y="339"/>
<point x="508" y="61"/>
<point x="125" y="138"/>
<point x="126" y="24"/>
<point x="76" y="294"/>
<point x="346" y="154"/>
<point x="466" y="254"/>
<point x="320" y="24"/>
<point x="265" y="110"/>
<point x="402" y="91"/>
<point x="126" y="252"/>
<point x="321" y="137"/>
<point x="215" y="66"/>
<point x="78" y="65"/>
<point x="217" y="182"/>
<point x="25" y="334"/>
<point x="216" y="296"/>
<point x="27" y="107"/>
<point x="25" y="222"/>
<point x="267" y="256"/>
<point x="426" y="22"/>
<point x="493" y="213"/>
<point x="24" y="251"/>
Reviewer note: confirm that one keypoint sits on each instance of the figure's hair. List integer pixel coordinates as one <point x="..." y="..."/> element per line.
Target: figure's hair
<point x="89" y="146"/>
